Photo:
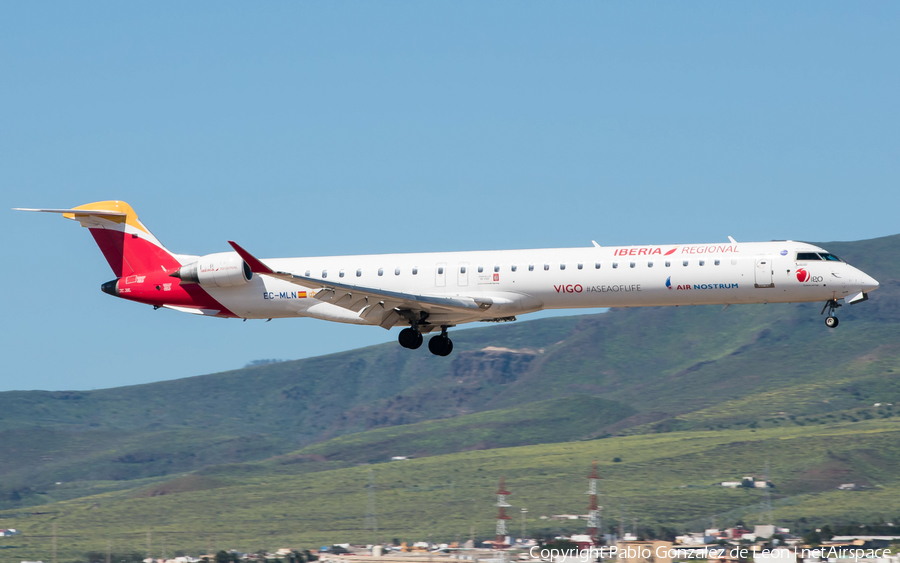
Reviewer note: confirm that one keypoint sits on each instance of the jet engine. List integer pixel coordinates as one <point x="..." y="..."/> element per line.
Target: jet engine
<point x="223" y="269"/>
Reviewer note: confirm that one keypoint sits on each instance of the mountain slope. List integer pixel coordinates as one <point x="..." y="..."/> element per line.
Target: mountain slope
<point x="671" y="479"/>
<point x="677" y="368"/>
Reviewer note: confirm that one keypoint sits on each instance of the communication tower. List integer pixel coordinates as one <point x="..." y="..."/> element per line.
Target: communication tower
<point x="500" y="539"/>
<point x="767" y="500"/>
<point x="371" y="522"/>
<point x="594" y="523"/>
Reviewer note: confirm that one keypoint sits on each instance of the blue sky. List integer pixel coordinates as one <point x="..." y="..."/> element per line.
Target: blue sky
<point x="343" y="128"/>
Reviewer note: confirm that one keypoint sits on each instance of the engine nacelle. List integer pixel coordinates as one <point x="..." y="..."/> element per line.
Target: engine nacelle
<point x="223" y="269"/>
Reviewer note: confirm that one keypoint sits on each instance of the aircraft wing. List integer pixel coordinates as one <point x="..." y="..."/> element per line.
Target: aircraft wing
<point x="378" y="305"/>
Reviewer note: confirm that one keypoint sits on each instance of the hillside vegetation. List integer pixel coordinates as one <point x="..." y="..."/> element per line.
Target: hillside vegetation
<point x="669" y="479"/>
<point x="657" y="378"/>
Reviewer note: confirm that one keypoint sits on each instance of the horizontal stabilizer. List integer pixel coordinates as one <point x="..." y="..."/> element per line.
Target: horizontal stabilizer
<point x="76" y="212"/>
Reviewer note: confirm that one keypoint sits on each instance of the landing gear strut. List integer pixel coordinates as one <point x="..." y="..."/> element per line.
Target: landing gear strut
<point x="830" y="321"/>
<point x="410" y="338"/>
<point x="441" y="345"/>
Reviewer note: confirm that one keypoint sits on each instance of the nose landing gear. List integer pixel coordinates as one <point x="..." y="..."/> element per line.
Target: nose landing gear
<point x="441" y="345"/>
<point x="830" y="321"/>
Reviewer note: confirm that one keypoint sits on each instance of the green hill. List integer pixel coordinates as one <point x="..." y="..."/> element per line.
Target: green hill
<point x="629" y="371"/>
<point x="670" y="479"/>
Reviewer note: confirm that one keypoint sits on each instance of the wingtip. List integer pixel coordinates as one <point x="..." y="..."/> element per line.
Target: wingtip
<point x="256" y="266"/>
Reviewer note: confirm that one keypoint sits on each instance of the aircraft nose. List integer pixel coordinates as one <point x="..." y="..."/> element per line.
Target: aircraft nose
<point x="869" y="283"/>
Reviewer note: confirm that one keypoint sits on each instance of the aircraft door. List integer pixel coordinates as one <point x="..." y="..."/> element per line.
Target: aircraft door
<point x="440" y="275"/>
<point x="764" y="273"/>
<point x="463" y="274"/>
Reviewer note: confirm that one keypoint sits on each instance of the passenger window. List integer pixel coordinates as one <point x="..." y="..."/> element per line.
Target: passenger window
<point x="685" y="263"/>
<point x="480" y="269"/>
<point x="496" y="268"/>
<point x="341" y="274"/>
<point x="734" y="261"/>
<point x="380" y="271"/>
<point x="462" y="269"/>
<point x="668" y="264"/>
<point x="307" y="273"/>
<point x="531" y="267"/>
<point x="702" y="262"/>
<point x="358" y="273"/>
<point x="546" y="267"/>
<point x="513" y="267"/>
<point x="615" y="264"/>
<point x="717" y="262"/>
<point x="396" y="271"/>
<point x="415" y="271"/>
<point x="562" y="266"/>
<point x="324" y="273"/>
<point x="440" y="270"/>
<point x="649" y="264"/>
<point x="580" y="265"/>
<point x="632" y="264"/>
<point x="597" y="266"/>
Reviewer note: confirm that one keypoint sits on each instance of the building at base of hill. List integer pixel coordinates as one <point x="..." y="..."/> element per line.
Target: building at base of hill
<point x="650" y="551"/>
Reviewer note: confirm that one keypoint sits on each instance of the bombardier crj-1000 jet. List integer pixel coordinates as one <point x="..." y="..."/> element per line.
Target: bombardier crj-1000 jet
<point x="433" y="292"/>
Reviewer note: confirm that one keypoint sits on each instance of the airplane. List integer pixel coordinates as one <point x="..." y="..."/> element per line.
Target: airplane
<point x="433" y="292"/>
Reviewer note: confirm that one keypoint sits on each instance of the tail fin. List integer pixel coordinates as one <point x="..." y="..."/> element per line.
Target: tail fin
<point x="126" y="243"/>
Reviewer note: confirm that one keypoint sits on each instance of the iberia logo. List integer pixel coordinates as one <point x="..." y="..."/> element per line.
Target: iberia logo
<point x="802" y="275"/>
<point x="645" y="251"/>
<point x="669" y="282"/>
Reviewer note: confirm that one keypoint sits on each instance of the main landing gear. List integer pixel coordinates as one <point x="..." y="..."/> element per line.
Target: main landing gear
<point x="439" y="345"/>
<point x="830" y="321"/>
<point x="410" y="338"/>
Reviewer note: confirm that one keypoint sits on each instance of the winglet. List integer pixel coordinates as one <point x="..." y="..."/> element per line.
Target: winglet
<point x="256" y="266"/>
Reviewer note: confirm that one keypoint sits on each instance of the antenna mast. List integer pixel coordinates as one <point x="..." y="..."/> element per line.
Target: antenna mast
<point x="500" y="539"/>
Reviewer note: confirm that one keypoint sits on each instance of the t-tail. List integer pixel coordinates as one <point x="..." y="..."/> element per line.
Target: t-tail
<point x="128" y="246"/>
<point x="146" y="272"/>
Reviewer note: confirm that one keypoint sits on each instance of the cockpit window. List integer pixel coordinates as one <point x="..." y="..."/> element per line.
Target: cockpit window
<point x="805" y="256"/>
<point x="808" y="256"/>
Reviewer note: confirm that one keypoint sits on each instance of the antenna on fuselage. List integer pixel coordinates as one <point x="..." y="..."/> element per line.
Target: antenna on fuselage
<point x="732" y="240"/>
<point x="595" y="243"/>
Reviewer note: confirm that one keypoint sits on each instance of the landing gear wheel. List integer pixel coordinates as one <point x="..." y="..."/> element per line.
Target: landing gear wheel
<point x="410" y="338"/>
<point x="440" y="345"/>
<point x="831" y="306"/>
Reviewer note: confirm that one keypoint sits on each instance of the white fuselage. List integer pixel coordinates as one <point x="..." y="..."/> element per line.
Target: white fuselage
<point x="525" y="281"/>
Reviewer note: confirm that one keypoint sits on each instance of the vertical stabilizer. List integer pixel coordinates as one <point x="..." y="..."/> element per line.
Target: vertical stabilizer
<point x="125" y="242"/>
